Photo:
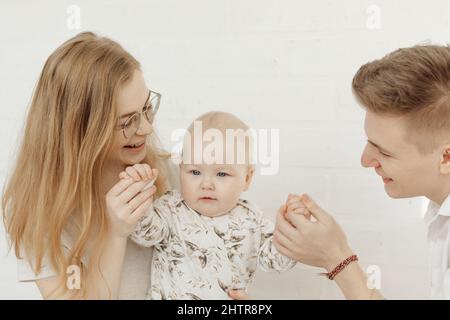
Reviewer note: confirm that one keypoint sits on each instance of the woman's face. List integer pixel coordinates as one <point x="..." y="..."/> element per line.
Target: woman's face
<point x="132" y="98"/>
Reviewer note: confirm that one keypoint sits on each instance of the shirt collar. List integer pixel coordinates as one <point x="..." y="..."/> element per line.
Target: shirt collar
<point x="444" y="210"/>
<point x="434" y="209"/>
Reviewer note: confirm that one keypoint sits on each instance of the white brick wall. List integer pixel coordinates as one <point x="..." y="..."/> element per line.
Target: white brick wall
<point x="277" y="64"/>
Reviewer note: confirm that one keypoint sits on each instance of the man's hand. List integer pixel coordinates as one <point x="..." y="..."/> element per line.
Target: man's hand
<point x="320" y="243"/>
<point x="294" y="205"/>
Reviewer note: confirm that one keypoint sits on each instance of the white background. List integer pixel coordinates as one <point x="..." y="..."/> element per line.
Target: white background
<point x="286" y="65"/>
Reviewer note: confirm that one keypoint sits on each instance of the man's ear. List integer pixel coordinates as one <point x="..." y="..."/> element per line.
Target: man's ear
<point x="249" y="176"/>
<point x="444" y="166"/>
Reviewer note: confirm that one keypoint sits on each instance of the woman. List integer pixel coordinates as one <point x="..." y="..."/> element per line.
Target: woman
<point x="64" y="207"/>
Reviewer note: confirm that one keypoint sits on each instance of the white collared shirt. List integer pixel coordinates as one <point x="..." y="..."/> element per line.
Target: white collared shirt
<point x="438" y="220"/>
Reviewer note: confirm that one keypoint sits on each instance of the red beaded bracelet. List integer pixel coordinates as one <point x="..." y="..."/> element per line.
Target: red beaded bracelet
<point x="341" y="266"/>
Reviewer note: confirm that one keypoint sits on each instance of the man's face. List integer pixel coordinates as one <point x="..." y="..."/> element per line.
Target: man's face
<point x="404" y="171"/>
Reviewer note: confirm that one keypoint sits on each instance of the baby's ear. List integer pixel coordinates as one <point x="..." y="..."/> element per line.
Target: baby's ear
<point x="249" y="176"/>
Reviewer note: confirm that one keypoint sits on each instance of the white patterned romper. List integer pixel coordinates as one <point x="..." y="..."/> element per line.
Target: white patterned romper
<point x="198" y="257"/>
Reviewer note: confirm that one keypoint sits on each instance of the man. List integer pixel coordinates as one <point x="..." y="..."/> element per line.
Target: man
<point x="406" y="95"/>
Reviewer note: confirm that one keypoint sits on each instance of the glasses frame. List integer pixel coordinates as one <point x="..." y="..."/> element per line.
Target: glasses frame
<point x="141" y="113"/>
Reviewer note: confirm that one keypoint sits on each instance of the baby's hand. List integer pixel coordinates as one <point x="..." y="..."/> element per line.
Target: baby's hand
<point x="295" y="206"/>
<point x="140" y="172"/>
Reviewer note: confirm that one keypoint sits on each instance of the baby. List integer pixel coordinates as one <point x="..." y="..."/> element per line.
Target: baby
<point x="207" y="240"/>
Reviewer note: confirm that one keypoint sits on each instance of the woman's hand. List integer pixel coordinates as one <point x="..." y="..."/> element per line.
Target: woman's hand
<point x="320" y="243"/>
<point x="139" y="172"/>
<point x="127" y="202"/>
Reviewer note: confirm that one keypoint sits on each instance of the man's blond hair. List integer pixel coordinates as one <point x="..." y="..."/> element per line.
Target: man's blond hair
<point x="412" y="82"/>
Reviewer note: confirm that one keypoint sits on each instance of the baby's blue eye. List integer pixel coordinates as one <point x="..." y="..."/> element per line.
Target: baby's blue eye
<point x="195" y="172"/>
<point x="222" y="174"/>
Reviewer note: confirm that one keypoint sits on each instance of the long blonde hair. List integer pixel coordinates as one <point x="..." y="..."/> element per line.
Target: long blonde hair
<point x="58" y="173"/>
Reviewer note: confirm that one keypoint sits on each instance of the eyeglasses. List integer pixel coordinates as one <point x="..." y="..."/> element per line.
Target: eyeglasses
<point x="133" y="122"/>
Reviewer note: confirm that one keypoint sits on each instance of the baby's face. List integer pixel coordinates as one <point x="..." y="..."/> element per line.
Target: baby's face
<point x="213" y="190"/>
